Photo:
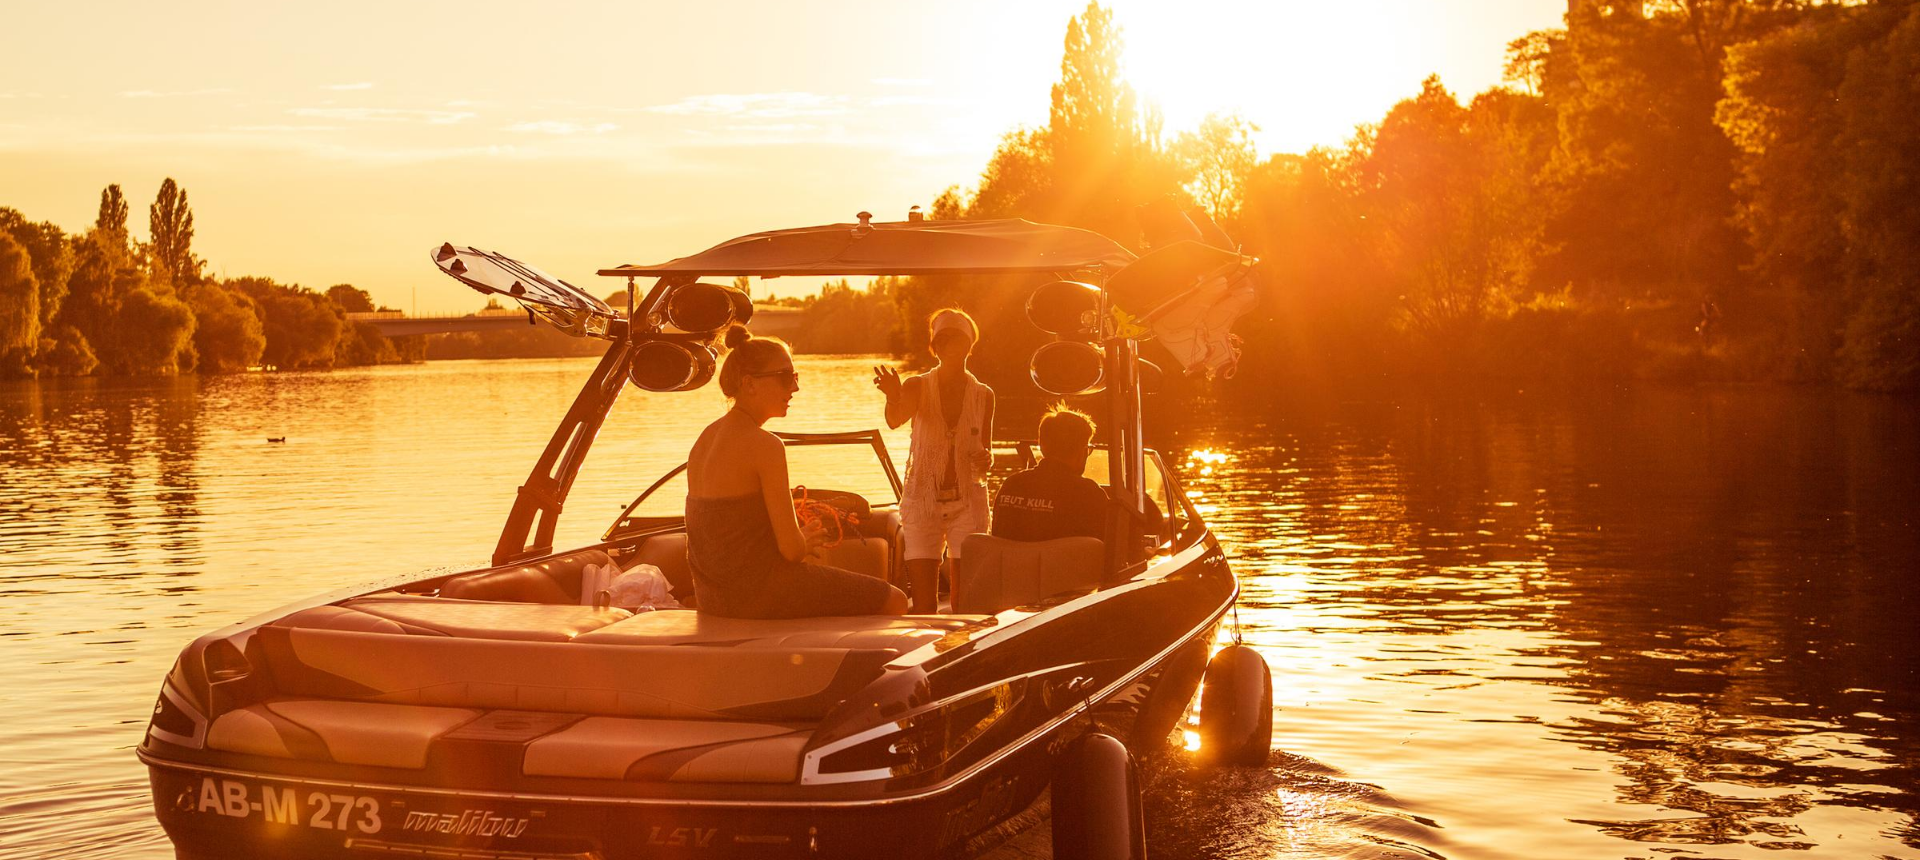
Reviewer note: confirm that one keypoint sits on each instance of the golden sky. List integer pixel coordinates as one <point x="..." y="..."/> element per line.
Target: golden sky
<point x="323" y="143"/>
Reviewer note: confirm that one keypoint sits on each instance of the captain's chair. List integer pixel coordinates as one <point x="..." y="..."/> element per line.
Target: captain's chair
<point x="995" y="573"/>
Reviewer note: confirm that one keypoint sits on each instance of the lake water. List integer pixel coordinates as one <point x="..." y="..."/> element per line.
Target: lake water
<point x="1628" y="623"/>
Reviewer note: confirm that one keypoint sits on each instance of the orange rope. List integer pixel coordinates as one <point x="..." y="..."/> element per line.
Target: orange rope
<point x="810" y="511"/>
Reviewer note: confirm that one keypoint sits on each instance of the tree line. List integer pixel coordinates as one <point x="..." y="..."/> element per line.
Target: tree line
<point x="101" y="302"/>
<point x="1684" y="189"/>
<point x="1668" y="189"/>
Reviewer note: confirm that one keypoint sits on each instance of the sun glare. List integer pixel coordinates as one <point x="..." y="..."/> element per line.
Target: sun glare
<point x="1305" y="73"/>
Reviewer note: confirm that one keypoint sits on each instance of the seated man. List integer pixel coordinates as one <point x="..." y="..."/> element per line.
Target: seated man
<point x="1053" y="499"/>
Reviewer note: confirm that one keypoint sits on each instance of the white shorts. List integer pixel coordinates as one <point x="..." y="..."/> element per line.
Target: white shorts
<point x="948" y="527"/>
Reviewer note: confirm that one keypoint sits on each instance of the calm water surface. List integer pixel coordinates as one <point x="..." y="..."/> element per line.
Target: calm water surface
<point x="1629" y="624"/>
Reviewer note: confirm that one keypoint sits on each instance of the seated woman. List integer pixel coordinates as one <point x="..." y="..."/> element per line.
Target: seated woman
<point x="745" y="547"/>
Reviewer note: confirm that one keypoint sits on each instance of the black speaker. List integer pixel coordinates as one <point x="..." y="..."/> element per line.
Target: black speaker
<point x="665" y="365"/>
<point x="1068" y="367"/>
<point x="1066" y="308"/>
<point x="701" y="307"/>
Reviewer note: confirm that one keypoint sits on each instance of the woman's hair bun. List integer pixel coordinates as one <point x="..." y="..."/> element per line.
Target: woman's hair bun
<point x="737" y="336"/>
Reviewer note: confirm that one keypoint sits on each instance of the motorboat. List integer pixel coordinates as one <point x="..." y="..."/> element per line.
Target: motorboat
<point x="512" y="711"/>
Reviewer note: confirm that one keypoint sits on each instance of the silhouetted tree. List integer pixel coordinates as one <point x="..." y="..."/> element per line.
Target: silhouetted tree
<point x="111" y="221"/>
<point x="350" y="299"/>
<point x="52" y="254"/>
<point x="154" y="334"/>
<point x="1219" y="155"/>
<point x="170" y="222"/>
<point x="1822" y="114"/>
<point x="19" y="308"/>
<point x="102" y="277"/>
<point x="302" y="327"/>
<point x="229" y="337"/>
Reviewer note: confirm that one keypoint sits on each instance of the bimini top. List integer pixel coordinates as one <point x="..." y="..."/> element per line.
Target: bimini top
<point x="900" y="248"/>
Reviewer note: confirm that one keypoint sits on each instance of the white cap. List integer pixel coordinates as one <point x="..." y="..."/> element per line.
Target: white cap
<point x="951" y="319"/>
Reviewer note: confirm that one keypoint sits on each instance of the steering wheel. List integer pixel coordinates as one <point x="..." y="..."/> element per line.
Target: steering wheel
<point x="838" y="510"/>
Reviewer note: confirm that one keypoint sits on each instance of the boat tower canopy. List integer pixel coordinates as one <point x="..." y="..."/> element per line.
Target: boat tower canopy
<point x="1010" y="246"/>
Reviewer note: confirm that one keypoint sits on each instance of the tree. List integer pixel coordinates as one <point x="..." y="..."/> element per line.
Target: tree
<point x="1640" y="176"/>
<point x="229" y="337"/>
<point x="1826" y="184"/>
<point x="170" y="222"/>
<point x="51" y="251"/>
<point x="19" y="308"/>
<point x="111" y="221"/>
<point x="302" y="327"/>
<point x="1880" y="180"/>
<point x="154" y="334"/>
<point x="102" y="277"/>
<point x="350" y="299"/>
<point x="1219" y="155"/>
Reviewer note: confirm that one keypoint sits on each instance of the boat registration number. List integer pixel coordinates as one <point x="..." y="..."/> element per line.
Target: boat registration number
<point x="232" y="798"/>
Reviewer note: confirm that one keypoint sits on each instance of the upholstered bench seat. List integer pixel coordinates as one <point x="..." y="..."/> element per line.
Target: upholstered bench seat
<point x="687" y="627"/>
<point x="670" y="750"/>
<point x="440" y="616"/>
<point x="566" y="677"/>
<point x="367" y="733"/>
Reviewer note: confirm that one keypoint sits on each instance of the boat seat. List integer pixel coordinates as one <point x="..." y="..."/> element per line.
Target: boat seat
<point x="555" y="580"/>
<point x="669" y="553"/>
<point x="868" y="555"/>
<point x="996" y="574"/>
<point x="579" y="677"/>
<point x="366" y="733"/>
<point x="440" y="616"/>
<point x="670" y="751"/>
<point x="687" y="627"/>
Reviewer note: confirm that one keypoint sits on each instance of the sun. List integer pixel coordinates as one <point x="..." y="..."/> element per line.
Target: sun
<point x="1306" y="73"/>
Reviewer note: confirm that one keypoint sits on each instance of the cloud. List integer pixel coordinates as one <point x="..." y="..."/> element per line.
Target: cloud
<point x="362" y="85"/>
<point x="562" y="127"/>
<point x="757" y="105"/>
<point x="902" y="82"/>
<point x="284" y="128"/>
<point x="367" y="114"/>
<point x="170" y="94"/>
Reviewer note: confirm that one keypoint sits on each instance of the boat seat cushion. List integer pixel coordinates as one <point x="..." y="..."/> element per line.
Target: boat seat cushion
<point x="687" y="627"/>
<point x="571" y="677"/>
<point x="868" y="555"/>
<point x="670" y="751"/>
<point x="669" y="553"/>
<point x="995" y="574"/>
<point x="347" y="732"/>
<point x="554" y="580"/>
<point x="439" y="616"/>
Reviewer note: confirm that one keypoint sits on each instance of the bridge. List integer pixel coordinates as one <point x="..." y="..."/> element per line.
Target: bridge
<point x="774" y="320"/>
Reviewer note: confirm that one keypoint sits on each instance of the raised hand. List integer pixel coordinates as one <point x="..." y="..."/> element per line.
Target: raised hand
<point x="888" y="381"/>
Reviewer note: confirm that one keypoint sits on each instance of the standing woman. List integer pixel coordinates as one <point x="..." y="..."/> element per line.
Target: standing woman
<point x="947" y="462"/>
<point x="745" y="546"/>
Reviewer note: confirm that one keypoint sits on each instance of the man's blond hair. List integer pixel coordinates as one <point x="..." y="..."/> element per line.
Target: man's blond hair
<point x="1064" y="425"/>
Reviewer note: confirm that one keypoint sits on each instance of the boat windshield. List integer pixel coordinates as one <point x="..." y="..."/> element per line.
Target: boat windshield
<point x="850" y="462"/>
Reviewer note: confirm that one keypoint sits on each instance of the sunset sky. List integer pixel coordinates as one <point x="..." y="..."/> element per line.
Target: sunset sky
<point x="331" y="143"/>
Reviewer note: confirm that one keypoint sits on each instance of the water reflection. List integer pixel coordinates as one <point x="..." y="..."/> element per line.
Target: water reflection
<point x="1713" y="581"/>
<point x="1623" y="624"/>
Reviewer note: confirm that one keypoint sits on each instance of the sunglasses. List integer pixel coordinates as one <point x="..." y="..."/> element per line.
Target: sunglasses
<point x="790" y="377"/>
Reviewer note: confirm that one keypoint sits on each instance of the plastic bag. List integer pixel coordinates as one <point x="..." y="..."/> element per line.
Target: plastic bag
<point x="642" y="589"/>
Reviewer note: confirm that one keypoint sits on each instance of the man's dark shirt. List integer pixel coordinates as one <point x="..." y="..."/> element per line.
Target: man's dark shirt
<point x="1047" y="502"/>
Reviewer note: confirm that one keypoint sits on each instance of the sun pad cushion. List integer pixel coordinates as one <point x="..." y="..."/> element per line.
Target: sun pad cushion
<point x="670" y="750"/>
<point x="347" y="732"/>
<point x="571" y="677"/>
